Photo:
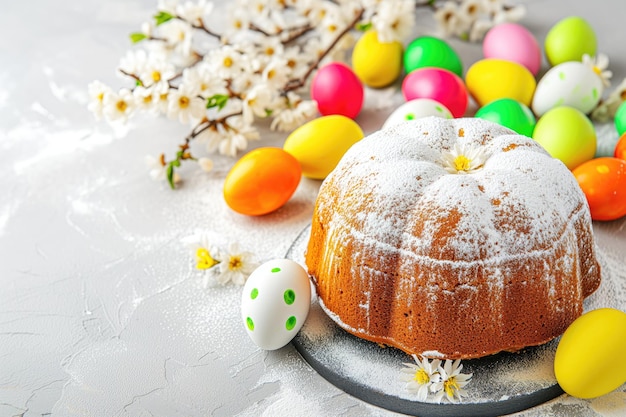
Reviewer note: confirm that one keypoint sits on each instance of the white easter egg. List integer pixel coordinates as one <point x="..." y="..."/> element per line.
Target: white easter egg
<point x="416" y="108"/>
<point x="275" y="303"/>
<point x="571" y="84"/>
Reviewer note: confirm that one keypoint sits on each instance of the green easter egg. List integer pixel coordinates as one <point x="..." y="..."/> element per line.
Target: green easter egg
<point x="509" y="113"/>
<point x="620" y="119"/>
<point x="569" y="39"/>
<point x="567" y="134"/>
<point x="428" y="51"/>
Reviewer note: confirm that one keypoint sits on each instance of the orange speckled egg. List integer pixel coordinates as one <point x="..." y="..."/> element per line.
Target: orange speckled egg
<point x="262" y="181"/>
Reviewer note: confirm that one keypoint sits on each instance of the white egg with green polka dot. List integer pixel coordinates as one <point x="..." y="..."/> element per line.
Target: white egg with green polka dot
<point x="275" y="303"/>
<point x="572" y="84"/>
<point x="417" y="108"/>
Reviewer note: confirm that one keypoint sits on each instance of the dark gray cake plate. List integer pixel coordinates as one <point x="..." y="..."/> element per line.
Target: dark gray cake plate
<point x="501" y="384"/>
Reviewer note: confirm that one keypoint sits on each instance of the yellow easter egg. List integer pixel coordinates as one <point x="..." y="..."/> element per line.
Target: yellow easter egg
<point x="377" y="64"/>
<point x="590" y="359"/>
<point x="492" y="79"/>
<point x="319" y="144"/>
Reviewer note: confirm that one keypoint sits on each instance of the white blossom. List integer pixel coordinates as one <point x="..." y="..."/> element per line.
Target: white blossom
<point x="226" y="61"/>
<point x="206" y="82"/>
<point x="97" y="92"/>
<point x="257" y="102"/>
<point x="206" y="164"/>
<point x="235" y="265"/>
<point x="185" y="105"/>
<point x="394" y="20"/>
<point x="295" y="113"/>
<point x="178" y="33"/>
<point x="145" y="99"/>
<point x="195" y="11"/>
<point x="134" y="62"/>
<point x="236" y="137"/>
<point x="452" y="382"/>
<point x="118" y="106"/>
<point x="449" y="20"/>
<point x="158" y="169"/>
<point x="599" y="65"/>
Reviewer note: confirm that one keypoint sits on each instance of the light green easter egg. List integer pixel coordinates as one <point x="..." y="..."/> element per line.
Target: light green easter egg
<point x="569" y="39"/>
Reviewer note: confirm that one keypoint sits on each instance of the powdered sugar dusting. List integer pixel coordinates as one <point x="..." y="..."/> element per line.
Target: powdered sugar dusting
<point x="394" y="216"/>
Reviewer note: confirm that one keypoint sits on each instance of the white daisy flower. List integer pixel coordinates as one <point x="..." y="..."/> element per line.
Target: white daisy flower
<point x="235" y="265"/>
<point x="463" y="159"/>
<point x="158" y="168"/>
<point x="185" y="105"/>
<point x="599" y="65"/>
<point x="97" y="91"/>
<point x="118" y="106"/>
<point x="452" y="382"/>
<point x="134" y="62"/>
<point x="420" y="375"/>
<point x="394" y="20"/>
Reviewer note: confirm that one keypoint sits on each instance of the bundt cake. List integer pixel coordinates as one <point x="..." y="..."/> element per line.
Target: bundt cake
<point x="452" y="239"/>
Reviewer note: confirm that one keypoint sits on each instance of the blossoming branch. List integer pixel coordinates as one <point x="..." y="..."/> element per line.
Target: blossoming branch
<point x="257" y="65"/>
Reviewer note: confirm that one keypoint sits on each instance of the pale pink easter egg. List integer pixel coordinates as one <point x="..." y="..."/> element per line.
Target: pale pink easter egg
<point x="513" y="42"/>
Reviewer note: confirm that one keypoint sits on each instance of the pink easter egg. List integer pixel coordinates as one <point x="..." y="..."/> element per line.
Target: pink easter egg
<point x="513" y="42"/>
<point x="337" y="90"/>
<point x="437" y="84"/>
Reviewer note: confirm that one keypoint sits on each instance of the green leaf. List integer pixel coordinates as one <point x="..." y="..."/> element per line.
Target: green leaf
<point x="170" y="174"/>
<point x="162" y="17"/>
<point x="137" y="37"/>
<point x="364" y="27"/>
<point x="138" y="83"/>
<point x="218" y="100"/>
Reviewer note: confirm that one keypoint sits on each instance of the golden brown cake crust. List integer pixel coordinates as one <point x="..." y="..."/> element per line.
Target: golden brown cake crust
<point x="454" y="265"/>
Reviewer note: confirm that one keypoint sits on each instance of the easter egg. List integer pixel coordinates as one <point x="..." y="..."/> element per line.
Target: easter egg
<point x="261" y="181"/>
<point x="620" y="118"/>
<point x="318" y="145"/>
<point x="603" y="180"/>
<point x="571" y="84"/>
<point x="337" y="90"/>
<point x="513" y="42"/>
<point x="509" y="113"/>
<point x="438" y="84"/>
<point x="377" y="64"/>
<point x="567" y="134"/>
<point x="428" y="51"/>
<point x="491" y="79"/>
<point x="415" y="109"/>
<point x="620" y="147"/>
<point x="569" y="39"/>
<point x="275" y="303"/>
<point x="589" y="360"/>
